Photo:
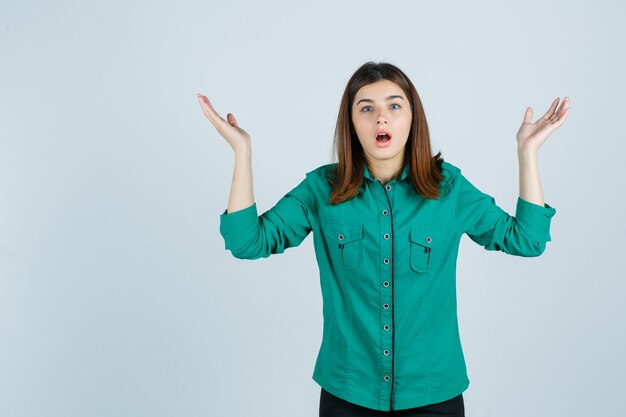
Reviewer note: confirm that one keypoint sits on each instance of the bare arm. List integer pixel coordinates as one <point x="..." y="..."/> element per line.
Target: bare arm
<point x="241" y="189"/>
<point x="529" y="138"/>
<point x="529" y="182"/>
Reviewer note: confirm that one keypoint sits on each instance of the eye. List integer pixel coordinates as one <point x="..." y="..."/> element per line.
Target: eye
<point x="395" y="104"/>
<point x="366" y="107"/>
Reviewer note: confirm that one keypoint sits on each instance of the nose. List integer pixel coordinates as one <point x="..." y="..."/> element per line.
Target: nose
<point x="382" y="118"/>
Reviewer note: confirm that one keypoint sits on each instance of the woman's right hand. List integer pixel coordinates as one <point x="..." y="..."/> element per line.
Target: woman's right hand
<point x="236" y="137"/>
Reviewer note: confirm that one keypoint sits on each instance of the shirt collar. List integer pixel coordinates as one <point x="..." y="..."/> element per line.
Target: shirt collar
<point x="403" y="175"/>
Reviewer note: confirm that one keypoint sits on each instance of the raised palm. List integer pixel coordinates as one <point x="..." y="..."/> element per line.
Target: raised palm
<point x="236" y="137"/>
<point x="531" y="136"/>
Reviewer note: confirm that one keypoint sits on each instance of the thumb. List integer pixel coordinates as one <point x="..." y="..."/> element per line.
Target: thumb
<point x="231" y="119"/>
<point x="528" y="116"/>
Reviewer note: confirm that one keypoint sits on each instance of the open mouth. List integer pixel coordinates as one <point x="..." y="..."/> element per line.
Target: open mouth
<point x="383" y="137"/>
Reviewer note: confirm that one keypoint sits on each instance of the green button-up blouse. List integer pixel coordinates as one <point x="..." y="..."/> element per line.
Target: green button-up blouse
<point x="387" y="263"/>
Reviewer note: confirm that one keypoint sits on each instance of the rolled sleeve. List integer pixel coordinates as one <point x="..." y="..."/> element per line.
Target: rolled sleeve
<point x="250" y="236"/>
<point x="535" y="219"/>
<point x="478" y="215"/>
<point x="233" y="225"/>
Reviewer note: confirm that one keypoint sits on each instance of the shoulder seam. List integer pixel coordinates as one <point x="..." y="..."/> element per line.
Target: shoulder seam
<point x="454" y="173"/>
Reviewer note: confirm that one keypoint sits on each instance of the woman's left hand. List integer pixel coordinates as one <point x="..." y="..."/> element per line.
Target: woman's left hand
<point x="531" y="136"/>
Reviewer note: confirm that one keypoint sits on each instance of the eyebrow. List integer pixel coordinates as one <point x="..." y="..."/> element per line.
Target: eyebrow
<point x="369" y="100"/>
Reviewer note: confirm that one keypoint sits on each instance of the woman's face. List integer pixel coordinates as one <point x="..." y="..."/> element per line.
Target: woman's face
<point x="382" y="106"/>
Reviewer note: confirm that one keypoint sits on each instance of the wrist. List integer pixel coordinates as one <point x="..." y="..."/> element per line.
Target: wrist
<point x="243" y="151"/>
<point x="527" y="153"/>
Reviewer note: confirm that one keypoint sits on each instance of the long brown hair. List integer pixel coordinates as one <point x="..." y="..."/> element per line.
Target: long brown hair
<point x="424" y="169"/>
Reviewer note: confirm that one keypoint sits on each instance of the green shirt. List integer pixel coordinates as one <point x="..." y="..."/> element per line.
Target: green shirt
<point x="387" y="263"/>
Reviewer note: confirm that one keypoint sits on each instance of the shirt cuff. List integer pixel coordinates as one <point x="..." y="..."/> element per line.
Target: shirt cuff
<point x="233" y="226"/>
<point x="534" y="219"/>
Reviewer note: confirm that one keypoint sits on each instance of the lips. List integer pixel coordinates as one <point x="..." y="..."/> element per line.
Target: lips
<point x="382" y="139"/>
<point x="382" y="135"/>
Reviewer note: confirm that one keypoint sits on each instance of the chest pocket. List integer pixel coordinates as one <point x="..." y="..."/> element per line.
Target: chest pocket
<point x="426" y="246"/>
<point x="346" y="243"/>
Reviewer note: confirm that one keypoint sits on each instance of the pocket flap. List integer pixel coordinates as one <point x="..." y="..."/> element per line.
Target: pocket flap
<point x="345" y="232"/>
<point x="429" y="234"/>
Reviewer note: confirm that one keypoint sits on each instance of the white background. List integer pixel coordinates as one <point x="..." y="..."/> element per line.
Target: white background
<point x="117" y="297"/>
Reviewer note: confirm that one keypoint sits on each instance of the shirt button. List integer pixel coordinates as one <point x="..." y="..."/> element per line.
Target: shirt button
<point x="387" y="187"/>
<point x="386" y="236"/>
<point x="385" y="306"/>
<point x="386" y="378"/>
<point x="385" y="284"/>
<point x="340" y="237"/>
<point x="385" y="212"/>
<point x="386" y="327"/>
<point x="428" y="239"/>
<point x="386" y="352"/>
<point x="386" y="260"/>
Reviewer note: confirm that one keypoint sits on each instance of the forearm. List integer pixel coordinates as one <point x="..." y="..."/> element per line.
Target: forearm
<point x="241" y="189"/>
<point x="529" y="182"/>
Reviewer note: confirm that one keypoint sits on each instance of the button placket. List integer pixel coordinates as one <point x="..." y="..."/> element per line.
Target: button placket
<point x="386" y="246"/>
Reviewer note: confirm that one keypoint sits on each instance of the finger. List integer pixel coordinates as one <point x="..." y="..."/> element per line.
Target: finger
<point x="558" y="115"/>
<point x="561" y="119"/>
<point x="231" y="119"/>
<point x="209" y="111"/>
<point x="205" y="108"/>
<point x="528" y="116"/>
<point x="550" y="111"/>
<point x="564" y="107"/>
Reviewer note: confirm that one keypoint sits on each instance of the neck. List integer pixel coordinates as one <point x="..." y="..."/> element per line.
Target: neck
<point x="385" y="171"/>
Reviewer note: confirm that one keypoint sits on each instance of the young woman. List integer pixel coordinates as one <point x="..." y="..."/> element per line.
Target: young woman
<point x="387" y="220"/>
